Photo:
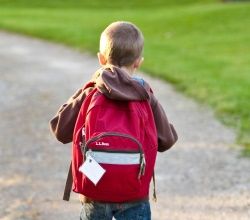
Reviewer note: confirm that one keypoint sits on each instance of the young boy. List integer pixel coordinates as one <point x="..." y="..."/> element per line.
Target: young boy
<point x="121" y="46"/>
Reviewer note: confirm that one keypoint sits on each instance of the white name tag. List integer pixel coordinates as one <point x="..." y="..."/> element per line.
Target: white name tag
<point x="92" y="169"/>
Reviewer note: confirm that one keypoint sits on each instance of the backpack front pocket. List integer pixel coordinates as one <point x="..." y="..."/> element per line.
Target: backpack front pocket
<point x="122" y="158"/>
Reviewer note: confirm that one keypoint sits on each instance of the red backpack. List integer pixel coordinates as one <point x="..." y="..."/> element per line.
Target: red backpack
<point x="121" y="136"/>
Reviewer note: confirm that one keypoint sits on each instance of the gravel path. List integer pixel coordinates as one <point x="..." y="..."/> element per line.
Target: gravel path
<point x="202" y="178"/>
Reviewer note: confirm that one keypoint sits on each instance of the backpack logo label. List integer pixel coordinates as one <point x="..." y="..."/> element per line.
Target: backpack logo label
<point x="101" y="144"/>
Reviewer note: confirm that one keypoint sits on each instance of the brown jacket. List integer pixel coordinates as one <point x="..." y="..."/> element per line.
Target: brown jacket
<point x="116" y="84"/>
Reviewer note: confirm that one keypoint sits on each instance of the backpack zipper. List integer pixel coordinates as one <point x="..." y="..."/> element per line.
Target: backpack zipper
<point x="142" y="156"/>
<point x="114" y="134"/>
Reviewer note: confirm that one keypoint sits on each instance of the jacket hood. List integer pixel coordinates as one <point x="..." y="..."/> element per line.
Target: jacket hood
<point x="116" y="83"/>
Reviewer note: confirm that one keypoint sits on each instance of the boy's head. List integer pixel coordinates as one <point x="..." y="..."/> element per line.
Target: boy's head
<point x="121" y="44"/>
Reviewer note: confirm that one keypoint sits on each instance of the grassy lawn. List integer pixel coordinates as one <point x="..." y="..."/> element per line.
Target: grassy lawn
<point x="202" y="47"/>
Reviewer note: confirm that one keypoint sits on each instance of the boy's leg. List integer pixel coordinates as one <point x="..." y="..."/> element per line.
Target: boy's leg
<point x="133" y="211"/>
<point x="95" y="211"/>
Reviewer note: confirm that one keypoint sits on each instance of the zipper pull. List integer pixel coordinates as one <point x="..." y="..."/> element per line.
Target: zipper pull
<point x="142" y="166"/>
<point x="83" y="148"/>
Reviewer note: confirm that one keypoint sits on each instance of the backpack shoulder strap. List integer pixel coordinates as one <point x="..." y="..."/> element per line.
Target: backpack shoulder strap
<point x="68" y="185"/>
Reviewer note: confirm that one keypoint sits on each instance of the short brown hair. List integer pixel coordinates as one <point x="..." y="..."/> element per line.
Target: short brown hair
<point x="121" y="43"/>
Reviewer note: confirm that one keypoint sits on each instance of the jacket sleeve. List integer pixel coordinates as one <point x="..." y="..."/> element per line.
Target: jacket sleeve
<point x="167" y="135"/>
<point x="63" y="123"/>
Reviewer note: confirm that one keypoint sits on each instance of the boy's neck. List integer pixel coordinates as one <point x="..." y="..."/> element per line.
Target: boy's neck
<point x="129" y="70"/>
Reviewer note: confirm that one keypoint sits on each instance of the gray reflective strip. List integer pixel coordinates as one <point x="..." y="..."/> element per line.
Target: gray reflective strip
<point x="115" y="158"/>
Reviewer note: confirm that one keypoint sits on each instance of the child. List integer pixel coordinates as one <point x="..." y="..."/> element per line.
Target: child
<point x="121" y="46"/>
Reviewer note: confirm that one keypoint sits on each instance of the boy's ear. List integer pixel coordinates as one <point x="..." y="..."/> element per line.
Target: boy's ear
<point x="102" y="59"/>
<point x="138" y="62"/>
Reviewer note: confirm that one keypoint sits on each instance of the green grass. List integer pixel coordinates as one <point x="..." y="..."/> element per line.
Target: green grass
<point x="99" y="3"/>
<point x="202" y="47"/>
